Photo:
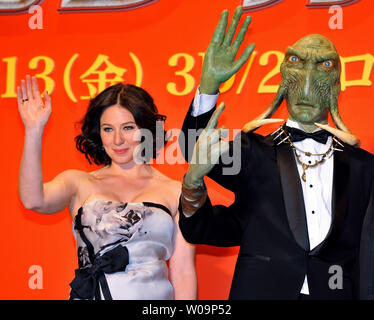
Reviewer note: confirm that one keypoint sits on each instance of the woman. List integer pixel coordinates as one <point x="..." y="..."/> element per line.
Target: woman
<point x="125" y="214"/>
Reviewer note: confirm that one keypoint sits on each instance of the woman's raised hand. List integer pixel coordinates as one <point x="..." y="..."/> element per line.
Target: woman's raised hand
<point x="34" y="112"/>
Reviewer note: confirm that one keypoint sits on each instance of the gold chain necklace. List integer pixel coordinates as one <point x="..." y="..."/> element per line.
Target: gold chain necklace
<point x="305" y="166"/>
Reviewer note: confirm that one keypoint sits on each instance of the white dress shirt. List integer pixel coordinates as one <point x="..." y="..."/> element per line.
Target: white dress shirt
<point x="317" y="189"/>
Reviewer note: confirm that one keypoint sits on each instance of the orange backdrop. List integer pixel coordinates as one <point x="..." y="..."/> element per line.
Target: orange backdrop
<point x="160" y="47"/>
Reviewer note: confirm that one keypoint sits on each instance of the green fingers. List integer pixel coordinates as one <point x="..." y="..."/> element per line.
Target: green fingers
<point x="212" y="124"/>
<point x="219" y="32"/>
<point x="232" y="28"/>
<point x="219" y="62"/>
<point x="243" y="58"/>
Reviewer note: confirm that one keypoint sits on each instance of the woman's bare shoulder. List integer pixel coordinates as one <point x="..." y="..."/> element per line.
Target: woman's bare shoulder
<point x="75" y="177"/>
<point x="162" y="178"/>
<point x="170" y="187"/>
<point x="82" y="182"/>
<point x="74" y="174"/>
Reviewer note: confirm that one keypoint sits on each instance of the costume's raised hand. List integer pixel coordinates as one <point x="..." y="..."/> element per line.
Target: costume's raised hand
<point x="219" y="61"/>
<point x="208" y="148"/>
<point x="34" y="112"/>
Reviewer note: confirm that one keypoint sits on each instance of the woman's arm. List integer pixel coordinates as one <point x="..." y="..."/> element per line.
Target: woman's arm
<point x="50" y="197"/>
<point x="182" y="268"/>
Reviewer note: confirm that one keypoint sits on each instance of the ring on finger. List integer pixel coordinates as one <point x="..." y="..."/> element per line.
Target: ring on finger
<point x="23" y="100"/>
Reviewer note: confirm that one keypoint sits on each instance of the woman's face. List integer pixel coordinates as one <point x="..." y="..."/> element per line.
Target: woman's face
<point x="117" y="130"/>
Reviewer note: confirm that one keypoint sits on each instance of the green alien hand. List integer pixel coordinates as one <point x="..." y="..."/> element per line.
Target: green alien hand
<point x="219" y="62"/>
<point x="208" y="148"/>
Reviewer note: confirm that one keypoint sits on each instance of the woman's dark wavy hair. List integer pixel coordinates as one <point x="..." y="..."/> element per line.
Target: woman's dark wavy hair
<point x="134" y="99"/>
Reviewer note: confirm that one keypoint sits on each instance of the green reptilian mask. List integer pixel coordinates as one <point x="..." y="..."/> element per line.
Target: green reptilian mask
<point x="311" y="86"/>
<point x="311" y="80"/>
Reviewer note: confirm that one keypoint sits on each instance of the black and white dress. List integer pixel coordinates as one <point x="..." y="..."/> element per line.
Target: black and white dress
<point x="122" y="251"/>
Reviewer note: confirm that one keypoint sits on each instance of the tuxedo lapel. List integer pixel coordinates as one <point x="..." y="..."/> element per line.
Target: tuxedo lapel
<point x="292" y="195"/>
<point x="340" y="188"/>
<point x="340" y="191"/>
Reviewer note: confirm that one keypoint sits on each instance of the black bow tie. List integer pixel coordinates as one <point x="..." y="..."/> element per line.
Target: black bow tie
<point x="299" y="135"/>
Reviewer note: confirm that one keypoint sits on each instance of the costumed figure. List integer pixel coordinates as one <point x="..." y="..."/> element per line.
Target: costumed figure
<point x="304" y="194"/>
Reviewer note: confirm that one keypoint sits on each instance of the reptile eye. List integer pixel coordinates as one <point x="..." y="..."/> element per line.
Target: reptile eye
<point x="293" y="59"/>
<point x="328" y="64"/>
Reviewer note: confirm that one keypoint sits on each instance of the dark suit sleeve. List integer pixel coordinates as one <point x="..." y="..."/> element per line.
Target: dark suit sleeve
<point x="191" y="129"/>
<point x="213" y="225"/>
<point x="367" y="252"/>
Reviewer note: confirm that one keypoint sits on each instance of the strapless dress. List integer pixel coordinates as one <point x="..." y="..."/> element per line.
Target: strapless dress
<point x="122" y="251"/>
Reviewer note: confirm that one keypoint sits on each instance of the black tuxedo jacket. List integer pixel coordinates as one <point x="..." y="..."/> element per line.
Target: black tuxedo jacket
<point x="268" y="221"/>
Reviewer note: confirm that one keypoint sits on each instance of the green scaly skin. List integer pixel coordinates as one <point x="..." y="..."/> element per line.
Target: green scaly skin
<point x="310" y="79"/>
